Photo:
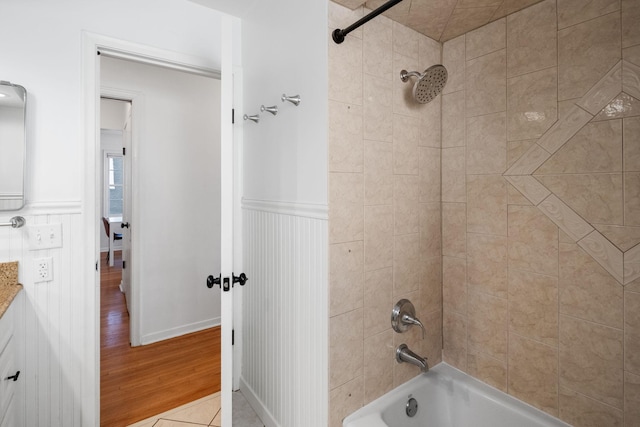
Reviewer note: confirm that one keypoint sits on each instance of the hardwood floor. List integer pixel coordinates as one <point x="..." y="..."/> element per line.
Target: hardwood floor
<point x="139" y="382"/>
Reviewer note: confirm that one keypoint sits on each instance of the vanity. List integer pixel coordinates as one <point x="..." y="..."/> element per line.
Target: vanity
<point x="10" y="294"/>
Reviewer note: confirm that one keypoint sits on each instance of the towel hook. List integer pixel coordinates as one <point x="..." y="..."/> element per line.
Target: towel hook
<point x="273" y="109"/>
<point x="255" y="118"/>
<point x="295" y="99"/>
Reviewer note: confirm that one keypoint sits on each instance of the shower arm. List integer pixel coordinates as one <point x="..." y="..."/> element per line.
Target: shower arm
<point x="338" y="34"/>
<point x="404" y="75"/>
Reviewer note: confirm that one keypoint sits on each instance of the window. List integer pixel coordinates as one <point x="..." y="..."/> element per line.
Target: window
<point x="114" y="185"/>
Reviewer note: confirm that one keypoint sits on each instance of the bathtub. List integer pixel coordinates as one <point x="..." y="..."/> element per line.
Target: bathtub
<point x="447" y="397"/>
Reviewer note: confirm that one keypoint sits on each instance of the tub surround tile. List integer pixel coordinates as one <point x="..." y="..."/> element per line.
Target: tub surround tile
<point x="486" y="39"/>
<point x="486" y="144"/>
<point x="487" y="204"/>
<point x="565" y="217"/>
<point x="533" y="306"/>
<point x="346" y="207"/>
<point x="487" y="264"/>
<point x="454" y="229"/>
<point x="454" y="349"/>
<point x="406" y="204"/>
<point x="378" y="297"/>
<point x="453" y="58"/>
<point x="515" y="197"/>
<point x="624" y="238"/>
<point x="462" y="19"/>
<point x="485" y="84"/>
<point x="511" y="6"/>
<point x="515" y="150"/>
<point x="632" y="332"/>
<point x="632" y="264"/>
<point x="378" y="173"/>
<point x="346" y="348"/>
<point x="632" y="198"/>
<point x="529" y="187"/>
<point x="430" y="174"/>
<point x="623" y="105"/>
<point x="580" y="410"/>
<point x="596" y="197"/>
<point x="433" y="342"/>
<point x="587" y="291"/>
<point x="454" y="284"/>
<point x="631" y="146"/>
<point x="430" y="230"/>
<point x="345" y="400"/>
<point x="631" y="399"/>
<point x="586" y="51"/>
<point x="405" y="40"/>
<point x="453" y="175"/>
<point x="603" y="91"/>
<point x="453" y="114"/>
<point x="532" y="104"/>
<point x="378" y="109"/>
<point x="345" y="71"/>
<point x="406" y="134"/>
<point x="531" y="39"/>
<point x="564" y="129"/>
<point x="632" y="54"/>
<point x="377" y="53"/>
<point x="529" y="161"/>
<point x="597" y="147"/>
<point x="605" y="253"/>
<point x="487" y="324"/>
<point x="345" y="137"/>
<point x="487" y="369"/>
<point x="378" y="232"/>
<point x="533" y="373"/>
<point x="406" y="264"/>
<point x="430" y="129"/>
<point x="533" y="241"/>
<point x="630" y="19"/>
<point x="379" y="357"/>
<point x="571" y="12"/>
<point x="591" y="360"/>
<point x="346" y="277"/>
<point x="631" y="79"/>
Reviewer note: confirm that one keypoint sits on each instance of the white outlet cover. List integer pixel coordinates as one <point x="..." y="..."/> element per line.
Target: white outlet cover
<point x="42" y="269"/>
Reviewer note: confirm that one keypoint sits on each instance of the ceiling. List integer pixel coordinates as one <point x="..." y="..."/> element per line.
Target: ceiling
<point x="443" y="20"/>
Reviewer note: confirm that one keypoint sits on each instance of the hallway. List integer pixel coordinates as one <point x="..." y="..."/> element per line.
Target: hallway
<point x="139" y="382"/>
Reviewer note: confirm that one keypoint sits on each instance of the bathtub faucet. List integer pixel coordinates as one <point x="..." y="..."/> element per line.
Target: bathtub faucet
<point x="403" y="354"/>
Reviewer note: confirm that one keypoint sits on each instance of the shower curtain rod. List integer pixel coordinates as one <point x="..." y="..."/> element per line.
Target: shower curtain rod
<point x="338" y="35"/>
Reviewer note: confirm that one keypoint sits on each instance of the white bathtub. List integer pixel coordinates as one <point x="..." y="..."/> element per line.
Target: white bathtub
<point x="447" y="397"/>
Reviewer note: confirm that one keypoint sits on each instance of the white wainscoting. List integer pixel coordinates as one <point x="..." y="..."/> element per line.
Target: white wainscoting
<point x="285" y="320"/>
<point x="51" y="337"/>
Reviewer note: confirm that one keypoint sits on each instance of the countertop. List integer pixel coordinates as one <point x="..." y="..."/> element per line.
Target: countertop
<point x="7" y="294"/>
<point x="9" y="286"/>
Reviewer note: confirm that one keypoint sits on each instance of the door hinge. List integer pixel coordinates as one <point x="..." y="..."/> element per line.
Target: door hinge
<point x="124" y="151"/>
<point x="233" y="337"/>
<point x="96" y="266"/>
<point x="233" y="115"/>
<point x="124" y="264"/>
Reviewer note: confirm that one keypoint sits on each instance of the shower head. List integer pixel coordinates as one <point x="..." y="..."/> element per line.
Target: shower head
<point x="429" y="84"/>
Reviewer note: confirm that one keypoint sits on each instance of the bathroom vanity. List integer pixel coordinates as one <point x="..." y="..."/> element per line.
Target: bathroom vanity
<point x="9" y="369"/>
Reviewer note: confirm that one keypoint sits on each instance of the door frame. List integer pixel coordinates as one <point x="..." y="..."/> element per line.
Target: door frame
<point x="93" y="43"/>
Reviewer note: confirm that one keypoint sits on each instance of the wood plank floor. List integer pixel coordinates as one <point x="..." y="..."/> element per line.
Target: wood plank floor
<point x="139" y="382"/>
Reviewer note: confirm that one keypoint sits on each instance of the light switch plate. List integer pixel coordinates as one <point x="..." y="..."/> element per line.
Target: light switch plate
<point x="45" y="236"/>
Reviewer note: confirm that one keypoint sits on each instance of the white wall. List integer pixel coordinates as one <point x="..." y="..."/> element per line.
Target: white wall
<point x="284" y="50"/>
<point x="176" y="190"/>
<point x="45" y="56"/>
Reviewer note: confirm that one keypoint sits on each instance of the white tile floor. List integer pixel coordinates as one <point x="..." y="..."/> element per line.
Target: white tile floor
<point x="204" y="412"/>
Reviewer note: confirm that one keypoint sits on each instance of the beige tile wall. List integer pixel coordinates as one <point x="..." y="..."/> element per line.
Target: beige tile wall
<point x="384" y="208"/>
<point x="526" y="308"/>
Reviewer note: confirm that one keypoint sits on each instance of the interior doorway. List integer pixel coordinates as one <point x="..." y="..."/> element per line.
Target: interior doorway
<point x="171" y="206"/>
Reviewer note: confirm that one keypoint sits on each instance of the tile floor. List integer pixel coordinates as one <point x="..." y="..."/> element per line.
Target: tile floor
<point x="204" y="412"/>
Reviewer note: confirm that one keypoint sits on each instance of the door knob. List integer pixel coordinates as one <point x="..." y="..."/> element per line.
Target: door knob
<point x="242" y="278"/>
<point x="124" y="225"/>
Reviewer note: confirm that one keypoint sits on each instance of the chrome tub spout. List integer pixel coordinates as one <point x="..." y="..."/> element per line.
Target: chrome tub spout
<point x="403" y="354"/>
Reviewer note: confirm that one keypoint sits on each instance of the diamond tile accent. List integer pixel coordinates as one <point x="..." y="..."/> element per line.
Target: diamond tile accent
<point x="620" y="85"/>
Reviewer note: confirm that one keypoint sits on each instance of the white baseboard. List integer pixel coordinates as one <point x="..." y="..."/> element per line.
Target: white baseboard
<point x="181" y="330"/>
<point x="258" y="407"/>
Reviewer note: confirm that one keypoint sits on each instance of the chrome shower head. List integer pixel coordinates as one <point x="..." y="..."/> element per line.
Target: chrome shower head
<point x="429" y="84"/>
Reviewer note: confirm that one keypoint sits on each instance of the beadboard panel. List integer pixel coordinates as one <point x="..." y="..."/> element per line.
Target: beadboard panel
<point x="285" y="328"/>
<point x="49" y="330"/>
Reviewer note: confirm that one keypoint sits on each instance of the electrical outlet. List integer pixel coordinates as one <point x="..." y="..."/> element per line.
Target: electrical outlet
<point x="43" y="269"/>
<point x="45" y="236"/>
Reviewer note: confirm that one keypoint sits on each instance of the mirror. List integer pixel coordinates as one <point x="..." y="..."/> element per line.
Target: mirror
<point x="13" y="106"/>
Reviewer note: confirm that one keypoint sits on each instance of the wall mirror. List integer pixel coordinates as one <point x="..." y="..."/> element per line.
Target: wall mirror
<point x="13" y="107"/>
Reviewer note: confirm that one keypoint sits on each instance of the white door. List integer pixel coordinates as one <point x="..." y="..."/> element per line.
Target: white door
<point x="226" y="222"/>
<point x="126" y="217"/>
